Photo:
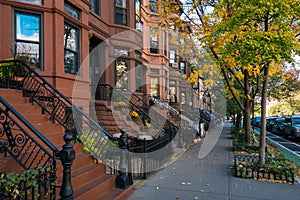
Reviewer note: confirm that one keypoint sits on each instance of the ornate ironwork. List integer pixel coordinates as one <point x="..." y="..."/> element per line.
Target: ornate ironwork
<point x="134" y="103"/>
<point x="23" y="142"/>
<point x="176" y="114"/>
<point x="59" y="107"/>
<point x="67" y="155"/>
<point x="61" y="110"/>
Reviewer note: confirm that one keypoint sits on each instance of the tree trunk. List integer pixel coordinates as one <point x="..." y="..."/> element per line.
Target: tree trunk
<point x="262" y="143"/>
<point x="247" y="109"/>
<point x="238" y="120"/>
<point x="247" y="125"/>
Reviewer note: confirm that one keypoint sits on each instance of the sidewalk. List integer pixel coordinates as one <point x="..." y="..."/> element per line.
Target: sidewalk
<point x="210" y="178"/>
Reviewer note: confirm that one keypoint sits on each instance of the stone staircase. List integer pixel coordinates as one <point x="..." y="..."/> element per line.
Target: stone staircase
<point x="89" y="180"/>
<point x="112" y="120"/>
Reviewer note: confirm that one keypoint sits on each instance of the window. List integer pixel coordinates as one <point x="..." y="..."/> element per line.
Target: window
<point x="138" y="55"/>
<point x="153" y="41"/>
<point x="165" y="43"/>
<point x="138" y="76"/>
<point x="38" y="2"/>
<point x="138" y="21"/>
<point x="173" y="56"/>
<point x="95" y="6"/>
<point x="28" y="38"/>
<point x="182" y="98"/>
<point x="121" y="69"/>
<point x="154" y="90"/>
<point x="182" y="68"/>
<point x="153" y="6"/>
<point x="71" y="47"/>
<point x="121" y="12"/>
<point x="121" y="51"/>
<point x="71" y="10"/>
<point x="154" y="71"/>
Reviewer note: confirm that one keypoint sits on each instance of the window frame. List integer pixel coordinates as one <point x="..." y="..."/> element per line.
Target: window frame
<point x="28" y="1"/>
<point x="138" y="17"/>
<point x="182" y="67"/>
<point x="153" y="6"/>
<point x="125" y="14"/>
<point x="127" y="66"/>
<point x="72" y="51"/>
<point x="154" y="36"/>
<point x="138" y="76"/>
<point x="73" y="8"/>
<point x="156" y="87"/>
<point x="95" y="9"/>
<point x="16" y="11"/>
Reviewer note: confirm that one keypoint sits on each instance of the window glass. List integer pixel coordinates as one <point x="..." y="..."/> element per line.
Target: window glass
<point x="154" y="87"/>
<point x="138" y="75"/>
<point x="121" y="12"/>
<point x="297" y="121"/>
<point x="71" y="44"/>
<point x="138" y="55"/>
<point x="121" y="67"/>
<point x="153" y="41"/>
<point x="138" y="21"/>
<point x="182" y="98"/>
<point x="153" y="6"/>
<point x="28" y="39"/>
<point x="95" y="6"/>
<point x="121" y="3"/>
<point x="172" y="56"/>
<point x="182" y="67"/>
<point x="120" y="51"/>
<point x="38" y="2"/>
<point x="71" y="10"/>
<point x="165" y="42"/>
<point x="154" y="71"/>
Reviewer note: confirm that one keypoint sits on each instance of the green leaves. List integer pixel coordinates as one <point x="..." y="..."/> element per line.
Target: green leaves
<point x="16" y="185"/>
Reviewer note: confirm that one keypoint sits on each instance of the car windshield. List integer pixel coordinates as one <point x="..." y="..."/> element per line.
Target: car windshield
<point x="297" y="121"/>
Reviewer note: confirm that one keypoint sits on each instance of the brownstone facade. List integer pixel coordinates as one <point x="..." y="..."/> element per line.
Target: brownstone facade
<point x="57" y="37"/>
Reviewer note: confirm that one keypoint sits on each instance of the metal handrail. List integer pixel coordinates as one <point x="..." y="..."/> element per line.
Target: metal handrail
<point x="176" y="113"/>
<point x="18" y="139"/>
<point x="142" y="113"/>
<point x="138" y="99"/>
<point x="61" y="109"/>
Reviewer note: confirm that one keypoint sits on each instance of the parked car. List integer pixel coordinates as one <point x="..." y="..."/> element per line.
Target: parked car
<point x="277" y="127"/>
<point x="256" y="121"/>
<point x="270" y="122"/>
<point x="291" y="126"/>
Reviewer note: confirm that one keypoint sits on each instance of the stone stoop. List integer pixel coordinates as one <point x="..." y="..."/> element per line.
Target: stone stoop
<point x="89" y="180"/>
<point x="113" y="121"/>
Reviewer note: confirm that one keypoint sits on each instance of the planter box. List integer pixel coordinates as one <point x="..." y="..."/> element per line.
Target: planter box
<point x="245" y="166"/>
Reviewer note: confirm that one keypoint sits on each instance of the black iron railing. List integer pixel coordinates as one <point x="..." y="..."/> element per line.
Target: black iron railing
<point x="17" y="74"/>
<point x="118" y="96"/>
<point x="177" y="115"/>
<point x="136" y="100"/>
<point x="31" y="150"/>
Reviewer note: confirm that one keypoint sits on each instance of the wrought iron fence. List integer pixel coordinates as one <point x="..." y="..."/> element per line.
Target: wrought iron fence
<point x="17" y="74"/>
<point x="177" y="115"/>
<point x="121" y="95"/>
<point x="31" y="150"/>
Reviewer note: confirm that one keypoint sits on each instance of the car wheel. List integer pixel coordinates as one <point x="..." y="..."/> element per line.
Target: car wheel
<point x="294" y="138"/>
<point x="285" y="135"/>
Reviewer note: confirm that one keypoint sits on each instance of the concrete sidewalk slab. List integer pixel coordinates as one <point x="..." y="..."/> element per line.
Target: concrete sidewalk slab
<point x="210" y="178"/>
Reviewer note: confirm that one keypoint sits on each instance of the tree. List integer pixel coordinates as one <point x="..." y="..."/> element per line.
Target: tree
<point x="234" y="109"/>
<point x="284" y="85"/>
<point x="249" y="41"/>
